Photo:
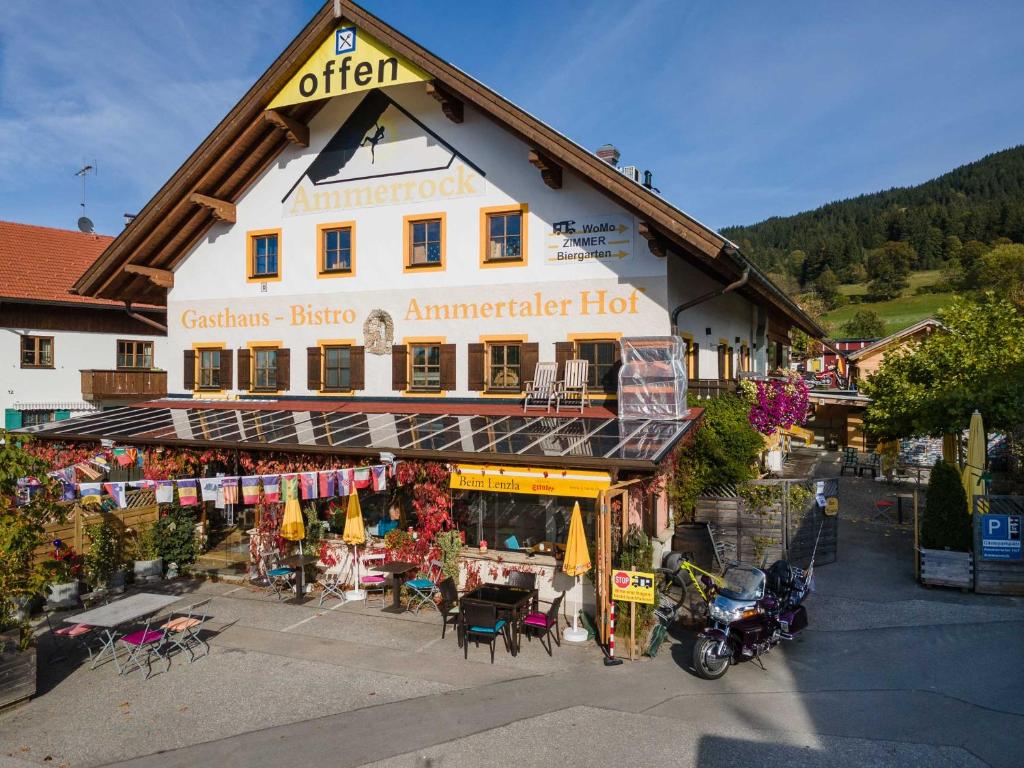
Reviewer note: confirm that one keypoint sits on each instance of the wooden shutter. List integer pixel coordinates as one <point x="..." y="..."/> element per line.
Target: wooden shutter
<point x="695" y="373"/>
<point x="245" y="369"/>
<point x="227" y="380"/>
<point x="529" y="354"/>
<point x="357" y="374"/>
<point x="721" y="361"/>
<point x="730" y="363"/>
<point x="313" y="369"/>
<point x="564" y="350"/>
<point x="284" y="369"/>
<point x="448" y="382"/>
<point x="190" y="369"/>
<point x="476" y="368"/>
<point x="400" y="368"/>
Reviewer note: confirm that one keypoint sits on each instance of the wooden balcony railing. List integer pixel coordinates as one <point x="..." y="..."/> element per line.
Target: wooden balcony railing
<point x="123" y="385"/>
<point x="707" y="389"/>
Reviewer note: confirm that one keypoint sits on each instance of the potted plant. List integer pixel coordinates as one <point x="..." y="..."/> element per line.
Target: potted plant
<point x="63" y="571"/>
<point x="149" y="566"/>
<point x="946" y="557"/>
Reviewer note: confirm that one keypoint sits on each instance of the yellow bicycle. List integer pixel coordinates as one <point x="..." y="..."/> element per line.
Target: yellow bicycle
<point x="681" y="582"/>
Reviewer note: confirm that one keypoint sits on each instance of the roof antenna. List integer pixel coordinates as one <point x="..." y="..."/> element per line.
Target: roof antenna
<point x="84" y="222"/>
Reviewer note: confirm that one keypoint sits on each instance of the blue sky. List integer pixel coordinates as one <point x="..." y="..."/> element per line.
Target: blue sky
<point x="743" y="110"/>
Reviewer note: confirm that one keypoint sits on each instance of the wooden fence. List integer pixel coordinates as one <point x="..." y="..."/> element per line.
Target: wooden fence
<point x="997" y="577"/>
<point x="141" y="510"/>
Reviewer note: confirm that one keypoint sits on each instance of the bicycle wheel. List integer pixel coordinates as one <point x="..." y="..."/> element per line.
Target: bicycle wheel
<point x="668" y="589"/>
<point x="695" y="604"/>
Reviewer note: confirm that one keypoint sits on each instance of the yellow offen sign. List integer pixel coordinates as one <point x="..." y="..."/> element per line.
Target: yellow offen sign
<point x="348" y="61"/>
<point x="539" y="482"/>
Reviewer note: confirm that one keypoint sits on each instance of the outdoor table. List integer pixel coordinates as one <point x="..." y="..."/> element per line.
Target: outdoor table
<point x="298" y="564"/>
<point x="511" y="602"/>
<point x="118" y="613"/>
<point x="399" y="570"/>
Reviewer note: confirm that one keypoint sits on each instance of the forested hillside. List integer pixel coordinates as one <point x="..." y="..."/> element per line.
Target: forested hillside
<point x="982" y="203"/>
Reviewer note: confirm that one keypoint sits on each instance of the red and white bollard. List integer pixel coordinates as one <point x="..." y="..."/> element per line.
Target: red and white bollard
<point x="610" y="660"/>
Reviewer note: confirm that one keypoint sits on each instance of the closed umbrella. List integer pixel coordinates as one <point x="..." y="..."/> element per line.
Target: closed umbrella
<point x="354" y="534"/>
<point x="575" y="564"/>
<point x="292" y="527"/>
<point x="975" y="466"/>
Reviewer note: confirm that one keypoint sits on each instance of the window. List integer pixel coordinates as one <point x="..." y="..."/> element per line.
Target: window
<point x="209" y="368"/>
<point x="504" y="237"/>
<point x="425" y="367"/>
<point x="602" y="371"/>
<point x="264" y="255"/>
<point x="424" y="245"/>
<point x="508" y="521"/>
<point x="503" y="367"/>
<point x="336" y="249"/>
<point x="37" y="352"/>
<point x="33" y="418"/>
<point x="338" y="368"/>
<point x="134" y="354"/>
<point x="264" y="366"/>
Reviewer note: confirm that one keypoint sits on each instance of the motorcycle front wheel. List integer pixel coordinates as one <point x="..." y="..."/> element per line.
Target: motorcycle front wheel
<point x="708" y="665"/>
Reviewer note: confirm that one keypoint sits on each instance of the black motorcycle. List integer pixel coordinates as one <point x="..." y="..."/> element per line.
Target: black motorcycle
<point x="751" y="613"/>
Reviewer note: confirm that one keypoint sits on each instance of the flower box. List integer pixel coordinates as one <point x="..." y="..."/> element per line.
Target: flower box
<point x="62" y="595"/>
<point x="17" y="670"/>
<point x="944" y="568"/>
<point x="149" y="570"/>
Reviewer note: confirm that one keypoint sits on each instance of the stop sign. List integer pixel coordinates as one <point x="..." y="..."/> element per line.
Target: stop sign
<point x="622" y="580"/>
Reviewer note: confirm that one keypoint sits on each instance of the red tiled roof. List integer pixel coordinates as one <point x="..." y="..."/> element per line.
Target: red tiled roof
<point x="42" y="263"/>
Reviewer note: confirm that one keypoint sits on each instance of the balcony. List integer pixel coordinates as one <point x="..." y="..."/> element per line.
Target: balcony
<point x="707" y="389"/>
<point x="123" y="385"/>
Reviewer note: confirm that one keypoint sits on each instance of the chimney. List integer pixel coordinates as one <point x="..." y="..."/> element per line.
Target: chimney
<point x="648" y="179"/>
<point x="129" y="218"/>
<point x="609" y="154"/>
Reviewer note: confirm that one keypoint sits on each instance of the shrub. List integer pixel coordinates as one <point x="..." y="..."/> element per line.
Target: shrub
<point x="104" y="557"/>
<point x="946" y="522"/>
<point x="176" y="536"/>
<point x="450" y="545"/>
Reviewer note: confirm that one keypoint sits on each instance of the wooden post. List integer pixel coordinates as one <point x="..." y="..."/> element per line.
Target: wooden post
<point x="632" y="631"/>
<point x="917" y="549"/>
<point x="78" y="530"/>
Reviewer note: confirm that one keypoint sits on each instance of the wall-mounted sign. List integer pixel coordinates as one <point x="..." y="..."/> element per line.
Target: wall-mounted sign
<point x="590" y="238"/>
<point x="347" y="61"/>
<point x="534" y="481"/>
<point x="1000" y="537"/>
<point x="633" y="587"/>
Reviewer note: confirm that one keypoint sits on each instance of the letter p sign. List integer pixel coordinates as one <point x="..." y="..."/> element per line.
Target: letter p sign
<point x="993" y="526"/>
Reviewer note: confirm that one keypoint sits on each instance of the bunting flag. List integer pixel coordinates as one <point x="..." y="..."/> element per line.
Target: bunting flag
<point x="123" y="458"/>
<point x="164" y="491"/>
<point x="272" y="488"/>
<point x="251" y="489"/>
<point x="90" y="492"/>
<point x="210" y="486"/>
<point x="327" y="483"/>
<point x="230" y="486"/>
<point x="67" y="491"/>
<point x="289" y="487"/>
<point x="117" y="493"/>
<point x="346" y="479"/>
<point x="88" y="470"/>
<point x="362" y="478"/>
<point x="187" y="495"/>
<point x="380" y="477"/>
<point x="307" y="482"/>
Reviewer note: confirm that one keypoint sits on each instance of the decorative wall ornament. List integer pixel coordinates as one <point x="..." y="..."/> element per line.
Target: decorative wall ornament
<point x="378" y="332"/>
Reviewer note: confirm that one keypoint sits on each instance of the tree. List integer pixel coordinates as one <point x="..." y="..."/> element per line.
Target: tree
<point x="976" y="361"/>
<point x="888" y="268"/>
<point x="865" y="324"/>
<point x="946" y="521"/>
<point x="827" y="286"/>
<point x="1002" y="270"/>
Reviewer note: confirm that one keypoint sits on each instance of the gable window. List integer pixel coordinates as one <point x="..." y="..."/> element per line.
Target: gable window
<point x="602" y="356"/>
<point x="264" y="366"/>
<point x="37" y="352"/>
<point x="505" y="236"/>
<point x="264" y="255"/>
<point x="134" y="354"/>
<point x="504" y="367"/>
<point x="209" y="368"/>
<point x="425" y="367"/>
<point x="336" y="248"/>
<point x="424" y="242"/>
<point x="337" y="368"/>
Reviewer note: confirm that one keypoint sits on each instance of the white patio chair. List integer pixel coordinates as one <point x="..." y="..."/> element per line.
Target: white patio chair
<point x="330" y="582"/>
<point x="373" y="582"/>
<point x="543" y="389"/>
<point x="573" y="391"/>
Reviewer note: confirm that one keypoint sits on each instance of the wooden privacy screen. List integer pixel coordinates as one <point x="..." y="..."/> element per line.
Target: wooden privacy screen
<point x="141" y="511"/>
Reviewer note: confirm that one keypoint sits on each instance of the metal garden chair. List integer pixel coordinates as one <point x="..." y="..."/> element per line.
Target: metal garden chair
<point x="145" y="640"/>
<point x="278" y="578"/>
<point x="373" y="582"/>
<point x="331" y="583"/>
<point x="573" y="391"/>
<point x="543" y="389"/>
<point x="422" y="590"/>
<point x="67" y="637"/>
<point x="182" y="632"/>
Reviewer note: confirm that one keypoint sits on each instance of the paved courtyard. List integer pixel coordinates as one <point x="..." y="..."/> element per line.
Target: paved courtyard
<point x="888" y="673"/>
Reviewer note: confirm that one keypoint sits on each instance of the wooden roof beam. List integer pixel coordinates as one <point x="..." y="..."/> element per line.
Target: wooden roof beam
<point x="221" y="209"/>
<point x="162" y="278"/>
<point x="451" y="105"/>
<point x="550" y="171"/>
<point x="654" y="241"/>
<point x="297" y="133"/>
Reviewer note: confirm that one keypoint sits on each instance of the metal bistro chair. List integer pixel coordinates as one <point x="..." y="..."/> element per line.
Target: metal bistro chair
<point x="145" y="640"/>
<point x="331" y="582"/>
<point x="480" y="622"/>
<point x="68" y="637"/>
<point x="573" y="390"/>
<point x="373" y="582"/>
<point x="543" y="389"/>
<point x="278" y="578"/>
<point x="422" y="591"/>
<point x="182" y="632"/>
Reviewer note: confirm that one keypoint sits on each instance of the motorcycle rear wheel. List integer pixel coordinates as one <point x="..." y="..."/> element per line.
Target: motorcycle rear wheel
<point x="705" y="662"/>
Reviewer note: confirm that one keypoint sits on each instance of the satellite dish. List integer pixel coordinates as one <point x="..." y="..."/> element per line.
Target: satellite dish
<point x="85" y="224"/>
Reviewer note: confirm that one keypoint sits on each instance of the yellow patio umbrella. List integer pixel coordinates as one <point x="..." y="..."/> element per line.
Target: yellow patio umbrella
<point x="354" y="534"/>
<point x="975" y="466"/>
<point x="292" y="527"/>
<point x="575" y="564"/>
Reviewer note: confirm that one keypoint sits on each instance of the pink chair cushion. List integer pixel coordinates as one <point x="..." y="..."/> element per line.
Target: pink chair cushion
<point x="75" y="630"/>
<point x="372" y="580"/>
<point x="537" y="620"/>
<point x="142" y="637"/>
<point x="180" y="624"/>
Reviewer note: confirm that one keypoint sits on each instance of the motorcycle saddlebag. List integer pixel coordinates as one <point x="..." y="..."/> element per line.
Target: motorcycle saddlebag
<point x="750" y="630"/>
<point x="794" y="621"/>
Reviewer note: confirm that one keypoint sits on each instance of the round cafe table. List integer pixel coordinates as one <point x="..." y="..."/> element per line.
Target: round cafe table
<point x="399" y="570"/>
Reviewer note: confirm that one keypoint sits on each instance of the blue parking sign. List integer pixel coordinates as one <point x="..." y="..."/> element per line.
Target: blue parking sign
<point x="1000" y="537"/>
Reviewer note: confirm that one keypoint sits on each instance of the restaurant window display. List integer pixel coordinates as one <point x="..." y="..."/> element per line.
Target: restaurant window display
<point x="513" y="522"/>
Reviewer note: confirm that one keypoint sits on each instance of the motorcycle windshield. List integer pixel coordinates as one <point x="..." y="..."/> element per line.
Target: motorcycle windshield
<point x="743" y="584"/>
